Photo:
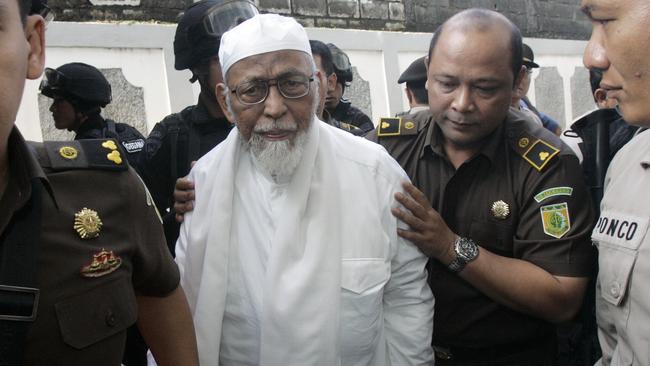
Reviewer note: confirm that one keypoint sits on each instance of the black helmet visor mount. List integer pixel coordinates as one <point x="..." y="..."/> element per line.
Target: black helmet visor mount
<point x="221" y="18"/>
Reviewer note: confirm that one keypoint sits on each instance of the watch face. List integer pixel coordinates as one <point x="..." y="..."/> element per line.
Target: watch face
<point x="467" y="249"/>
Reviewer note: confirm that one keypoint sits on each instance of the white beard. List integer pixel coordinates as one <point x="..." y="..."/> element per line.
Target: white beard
<point x="278" y="158"/>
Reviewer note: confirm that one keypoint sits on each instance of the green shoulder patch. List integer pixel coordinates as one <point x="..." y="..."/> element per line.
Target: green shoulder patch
<point x="539" y="154"/>
<point x="396" y="126"/>
<point x="103" y="154"/>
<point x="552" y="192"/>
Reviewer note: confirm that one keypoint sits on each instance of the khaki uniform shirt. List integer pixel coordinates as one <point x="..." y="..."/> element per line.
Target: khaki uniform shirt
<point x="88" y="287"/>
<point x="621" y="234"/>
<point x="521" y="196"/>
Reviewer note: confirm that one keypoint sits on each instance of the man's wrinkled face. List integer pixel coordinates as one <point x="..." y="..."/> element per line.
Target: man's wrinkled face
<point x="276" y="126"/>
<point x="470" y="83"/>
<point x="620" y="47"/>
<point x="64" y="114"/>
<point x="323" y="83"/>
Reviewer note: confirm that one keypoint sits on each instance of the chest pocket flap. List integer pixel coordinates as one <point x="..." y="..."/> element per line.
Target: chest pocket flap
<point x="618" y="238"/>
<point x="362" y="274"/>
<point x="97" y="314"/>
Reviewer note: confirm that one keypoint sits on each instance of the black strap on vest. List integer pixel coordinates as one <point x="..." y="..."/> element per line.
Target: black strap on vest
<point x="111" y="131"/>
<point x="19" y="246"/>
<point x="193" y="146"/>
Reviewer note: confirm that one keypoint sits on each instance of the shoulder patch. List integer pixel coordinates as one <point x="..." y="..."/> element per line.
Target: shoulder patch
<point x="396" y="126"/>
<point x="102" y="154"/>
<point x="539" y="153"/>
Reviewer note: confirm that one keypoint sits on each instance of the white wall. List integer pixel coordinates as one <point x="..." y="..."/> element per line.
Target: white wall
<point x="144" y="52"/>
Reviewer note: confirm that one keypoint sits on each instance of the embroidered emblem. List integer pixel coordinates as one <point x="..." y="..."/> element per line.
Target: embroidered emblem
<point x="523" y="142"/>
<point x="409" y="125"/>
<point x="552" y="192"/>
<point x="109" y="144"/>
<point x="543" y="155"/>
<point x="68" y="152"/>
<point x="87" y="223"/>
<point x="555" y="219"/>
<point x="389" y="127"/>
<point x="115" y="157"/>
<point x="500" y="209"/>
<point x="539" y="154"/>
<point x="102" y="264"/>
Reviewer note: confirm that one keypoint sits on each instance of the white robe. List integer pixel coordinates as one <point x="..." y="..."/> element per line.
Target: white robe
<point x="340" y="288"/>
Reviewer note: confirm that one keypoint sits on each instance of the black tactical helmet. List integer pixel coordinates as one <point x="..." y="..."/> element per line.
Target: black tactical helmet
<point x="199" y="31"/>
<point x="342" y="66"/>
<point x="77" y="82"/>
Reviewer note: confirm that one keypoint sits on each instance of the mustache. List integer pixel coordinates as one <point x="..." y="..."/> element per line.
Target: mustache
<point x="267" y="126"/>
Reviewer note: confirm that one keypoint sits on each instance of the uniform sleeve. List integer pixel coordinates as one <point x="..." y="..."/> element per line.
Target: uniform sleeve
<point x="154" y="167"/>
<point x="408" y="301"/>
<point x="556" y="219"/>
<point x="154" y="271"/>
<point x="363" y="122"/>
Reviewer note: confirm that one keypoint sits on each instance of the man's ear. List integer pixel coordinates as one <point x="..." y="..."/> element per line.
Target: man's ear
<point x="600" y="95"/>
<point x="331" y="81"/>
<point x="518" y="78"/>
<point x="221" y="92"/>
<point x="35" y="35"/>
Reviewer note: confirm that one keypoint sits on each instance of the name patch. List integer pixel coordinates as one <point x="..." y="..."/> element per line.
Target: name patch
<point x="133" y="146"/>
<point x="624" y="230"/>
<point x="552" y="192"/>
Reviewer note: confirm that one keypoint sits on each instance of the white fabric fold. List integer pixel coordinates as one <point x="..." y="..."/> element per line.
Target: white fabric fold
<point x="301" y="300"/>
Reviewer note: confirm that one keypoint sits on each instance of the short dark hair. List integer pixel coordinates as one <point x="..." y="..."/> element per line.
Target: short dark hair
<point x="419" y="92"/>
<point x="480" y="19"/>
<point x="24" y="6"/>
<point x="319" y="48"/>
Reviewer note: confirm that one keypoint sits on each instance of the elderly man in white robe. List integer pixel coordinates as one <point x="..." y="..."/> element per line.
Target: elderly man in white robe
<point x="291" y="256"/>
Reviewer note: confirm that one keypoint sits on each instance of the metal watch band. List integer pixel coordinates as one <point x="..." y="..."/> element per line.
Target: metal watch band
<point x="466" y="251"/>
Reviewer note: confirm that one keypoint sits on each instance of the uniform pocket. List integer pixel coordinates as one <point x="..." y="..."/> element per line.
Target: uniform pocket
<point x="362" y="288"/>
<point x="496" y="237"/>
<point x="97" y="314"/>
<point x="615" y="268"/>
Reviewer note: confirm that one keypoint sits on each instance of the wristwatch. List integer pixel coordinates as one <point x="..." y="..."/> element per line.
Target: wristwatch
<point x="466" y="251"/>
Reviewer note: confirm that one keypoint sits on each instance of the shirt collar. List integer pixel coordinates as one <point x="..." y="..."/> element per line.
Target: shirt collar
<point x="434" y="142"/>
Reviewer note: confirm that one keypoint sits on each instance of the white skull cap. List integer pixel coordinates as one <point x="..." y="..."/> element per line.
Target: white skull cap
<point x="261" y="34"/>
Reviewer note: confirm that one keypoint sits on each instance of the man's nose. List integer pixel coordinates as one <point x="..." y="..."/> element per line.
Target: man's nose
<point x="274" y="105"/>
<point x="595" y="55"/>
<point x="463" y="101"/>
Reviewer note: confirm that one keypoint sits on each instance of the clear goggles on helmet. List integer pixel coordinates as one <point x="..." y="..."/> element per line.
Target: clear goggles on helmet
<point x="221" y="18"/>
<point x="52" y="79"/>
<point x="40" y="8"/>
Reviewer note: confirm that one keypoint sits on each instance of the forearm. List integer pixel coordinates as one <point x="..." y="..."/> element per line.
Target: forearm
<point x="166" y="325"/>
<point x="525" y="287"/>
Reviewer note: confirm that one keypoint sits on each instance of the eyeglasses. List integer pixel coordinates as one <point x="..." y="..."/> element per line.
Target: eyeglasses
<point x="289" y="86"/>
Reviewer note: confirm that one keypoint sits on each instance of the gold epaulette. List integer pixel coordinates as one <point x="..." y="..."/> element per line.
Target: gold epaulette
<point x="535" y="151"/>
<point x="396" y="126"/>
<point x="103" y="154"/>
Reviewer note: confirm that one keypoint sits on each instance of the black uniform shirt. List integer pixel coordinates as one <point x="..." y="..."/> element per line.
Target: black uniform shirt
<point x="83" y="310"/>
<point x="346" y="113"/>
<point x="499" y="174"/>
<point x="130" y="139"/>
<point x="172" y="145"/>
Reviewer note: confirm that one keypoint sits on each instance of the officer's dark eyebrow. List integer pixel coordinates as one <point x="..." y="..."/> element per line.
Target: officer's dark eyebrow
<point x="587" y="10"/>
